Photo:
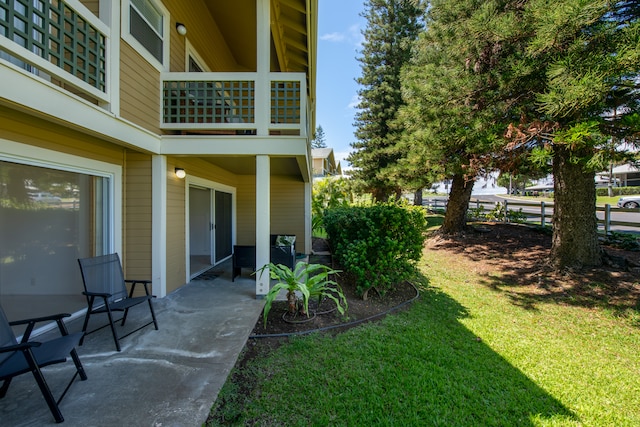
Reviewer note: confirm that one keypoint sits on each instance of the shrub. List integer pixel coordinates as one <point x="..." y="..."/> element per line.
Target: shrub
<point x="618" y="191"/>
<point x="379" y="244"/>
<point x="328" y="193"/>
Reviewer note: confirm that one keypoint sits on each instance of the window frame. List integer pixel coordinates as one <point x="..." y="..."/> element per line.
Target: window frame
<point x="191" y="52"/>
<point x="139" y="47"/>
<point x="16" y="152"/>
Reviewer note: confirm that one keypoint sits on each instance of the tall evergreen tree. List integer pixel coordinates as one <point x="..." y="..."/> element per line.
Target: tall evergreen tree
<point x="590" y="54"/>
<point x="319" y="138"/>
<point x="454" y="115"/>
<point x="566" y="72"/>
<point x="392" y="25"/>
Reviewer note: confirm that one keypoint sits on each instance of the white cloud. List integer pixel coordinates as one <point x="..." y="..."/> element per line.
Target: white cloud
<point x="355" y="101"/>
<point x="353" y="35"/>
<point x="333" y="37"/>
<point x="356" y="36"/>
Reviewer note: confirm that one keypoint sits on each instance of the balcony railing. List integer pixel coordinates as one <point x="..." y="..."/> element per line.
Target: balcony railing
<point x="61" y="41"/>
<point x="231" y="103"/>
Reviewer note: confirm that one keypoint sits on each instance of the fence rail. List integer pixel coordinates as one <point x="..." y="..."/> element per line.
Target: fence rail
<point x="540" y="213"/>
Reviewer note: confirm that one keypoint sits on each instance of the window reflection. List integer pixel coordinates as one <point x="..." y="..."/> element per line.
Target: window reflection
<point x="48" y="219"/>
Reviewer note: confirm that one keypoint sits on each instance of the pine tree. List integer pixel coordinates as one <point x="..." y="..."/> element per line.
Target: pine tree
<point x="590" y="54"/>
<point x="319" y="138"/>
<point x="392" y="25"/>
<point x="454" y="115"/>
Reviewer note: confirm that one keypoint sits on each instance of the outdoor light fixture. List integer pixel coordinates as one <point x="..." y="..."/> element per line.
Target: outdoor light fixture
<point x="180" y="173"/>
<point x="181" y="29"/>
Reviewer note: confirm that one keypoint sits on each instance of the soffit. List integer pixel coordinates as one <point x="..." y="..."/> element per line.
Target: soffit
<point x="293" y="27"/>
<point x="246" y="165"/>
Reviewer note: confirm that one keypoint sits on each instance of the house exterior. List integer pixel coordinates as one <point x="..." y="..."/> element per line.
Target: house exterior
<point x="324" y="163"/>
<point x="626" y="175"/>
<point x="104" y="102"/>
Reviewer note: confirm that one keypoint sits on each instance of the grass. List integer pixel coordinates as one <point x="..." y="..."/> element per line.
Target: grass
<point x="463" y="355"/>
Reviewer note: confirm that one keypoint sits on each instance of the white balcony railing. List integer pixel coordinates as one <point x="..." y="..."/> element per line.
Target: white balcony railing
<point x="60" y="41"/>
<point x="235" y="103"/>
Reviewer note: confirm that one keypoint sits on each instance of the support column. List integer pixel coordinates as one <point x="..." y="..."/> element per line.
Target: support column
<point x="263" y="222"/>
<point x="263" y="84"/>
<point x="110" y="15"/>
<point x="159" y="225"/>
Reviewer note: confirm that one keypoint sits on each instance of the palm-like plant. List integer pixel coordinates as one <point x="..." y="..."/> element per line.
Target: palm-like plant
<point x="310" y="280"/>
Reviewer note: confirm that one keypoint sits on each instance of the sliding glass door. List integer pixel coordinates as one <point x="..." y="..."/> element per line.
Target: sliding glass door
<point x="48" y="219"/>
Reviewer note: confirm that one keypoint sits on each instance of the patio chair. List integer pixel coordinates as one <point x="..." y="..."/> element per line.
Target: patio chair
<point x="29" y="356"/>
<point x="106" y="292"/>
<point x="283" y="250"/>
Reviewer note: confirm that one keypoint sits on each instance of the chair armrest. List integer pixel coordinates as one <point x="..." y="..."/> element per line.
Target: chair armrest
<point x="32" y="322"/>
<point x="135" y="282"/>
<point x="39" y="319"/>
<point x="19" y="347"/>
<point x="97" y="294"/>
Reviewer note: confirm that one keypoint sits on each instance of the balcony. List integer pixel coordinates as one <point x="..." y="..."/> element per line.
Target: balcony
<point x="235" y="103"/>
<point x="60" y="41"/>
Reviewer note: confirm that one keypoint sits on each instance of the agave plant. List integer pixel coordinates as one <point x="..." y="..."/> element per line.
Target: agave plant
<point x="309" y="280"/>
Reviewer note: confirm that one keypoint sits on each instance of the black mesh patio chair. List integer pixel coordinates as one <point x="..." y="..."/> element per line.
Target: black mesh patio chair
<point x="17" y="358"/>
<point x="106" y="292"/>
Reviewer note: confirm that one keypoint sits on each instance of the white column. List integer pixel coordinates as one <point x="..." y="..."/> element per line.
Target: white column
<point x="110" y="15"/>
<point x="263" y="85"/>
<point x="159" y="225"/>
<point x="263" y="222"/>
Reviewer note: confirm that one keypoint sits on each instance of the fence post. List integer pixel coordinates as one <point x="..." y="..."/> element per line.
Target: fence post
<point x="607" y="219"/>
<point x="506" y="210"/>
<point x="542" y="214"/>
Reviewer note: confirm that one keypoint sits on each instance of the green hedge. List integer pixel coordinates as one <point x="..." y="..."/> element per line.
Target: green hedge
<point x="618" y="191"/>
<point x="378" y="244"/>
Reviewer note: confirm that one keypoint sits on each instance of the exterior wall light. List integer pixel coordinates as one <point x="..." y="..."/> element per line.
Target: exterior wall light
<point x="181" y="29"/>
<point x="180" y="173"/>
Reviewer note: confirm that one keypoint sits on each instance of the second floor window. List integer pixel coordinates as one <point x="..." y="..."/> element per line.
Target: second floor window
<point x="146" y="25"/>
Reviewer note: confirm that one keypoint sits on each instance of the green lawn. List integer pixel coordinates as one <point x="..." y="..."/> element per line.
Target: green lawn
<point x="464" y="355"/>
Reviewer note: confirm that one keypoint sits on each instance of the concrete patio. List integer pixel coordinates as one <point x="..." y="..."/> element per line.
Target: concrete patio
<point x="169" y="377"/>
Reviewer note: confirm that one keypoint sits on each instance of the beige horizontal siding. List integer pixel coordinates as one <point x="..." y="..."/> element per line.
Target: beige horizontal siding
<point x="287" y="208"/>
<point x="203" y="34"/>
<point x="137" y="216"/>
<point x="139" y="89"/>
<point x="246" y="210"/>
<point x="176" y="240"/>
<point x="30" y="130"/>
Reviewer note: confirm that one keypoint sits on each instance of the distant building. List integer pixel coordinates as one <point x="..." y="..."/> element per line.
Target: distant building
<point x="625" y="175"/>
<point x="324" y="163"/>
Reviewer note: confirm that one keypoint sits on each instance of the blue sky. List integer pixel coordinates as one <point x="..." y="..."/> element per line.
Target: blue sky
<point x="339" y="42"/>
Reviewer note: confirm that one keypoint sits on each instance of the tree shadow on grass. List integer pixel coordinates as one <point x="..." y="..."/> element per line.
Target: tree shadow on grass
<point x="419" y="367"/>
<point x="514" y="260"/>
<point x="461" y="380"/>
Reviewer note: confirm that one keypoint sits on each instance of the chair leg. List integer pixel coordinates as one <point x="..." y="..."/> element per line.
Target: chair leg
<point x="153" y="314"/>
<point x="5" y="387"/>
<point x="79" y="367"/>
<point x="44" y="388"/>
<point x="124" y="316"/>
<point x="85" y="324"/>
<point x="113" y="328"/>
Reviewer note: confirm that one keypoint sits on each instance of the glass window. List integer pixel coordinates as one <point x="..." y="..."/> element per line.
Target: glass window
<point x="146" y="25"/>
<point x="48" y="219"/>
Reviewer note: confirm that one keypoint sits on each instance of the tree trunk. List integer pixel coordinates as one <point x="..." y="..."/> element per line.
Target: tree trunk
<point x="455" y="218"/>
<point x="575" y="226"/>
<point x="417" y="197"/>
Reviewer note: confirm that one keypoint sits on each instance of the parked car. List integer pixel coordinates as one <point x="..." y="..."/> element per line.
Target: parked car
<point x="629" y="202"/>
<point x="46" y="198"/>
